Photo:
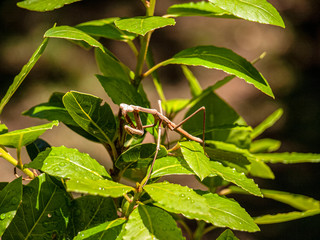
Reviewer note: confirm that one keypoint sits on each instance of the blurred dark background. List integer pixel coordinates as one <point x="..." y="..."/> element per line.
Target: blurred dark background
<point x="291" y="67"/>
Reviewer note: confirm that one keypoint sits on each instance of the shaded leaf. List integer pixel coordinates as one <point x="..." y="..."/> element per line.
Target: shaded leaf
<point x="42" y="214"/>
<point x="36" y="147"/>
<point x="253" y="10"/>
<point x="267" y="123"/>
<point x="170" y="166"/>
<point x="175" y="105"/>
<point x="89" y="211"/>
<point x="71" y="33"/>
<point x="265" y="145"/>
<point x="194" y="84"/>
<point x="55" y="110"/>
<point x="222" y="59"/>
<point x="142" y="25"/>
<point x="3" y="129"/>
<point x="205" y="9"/>
<point x="139" y="153"/>
<point x="219" y="211"/>
<point x="105" y="28"/>
<point x="44" y="5"/>
<point x="227" y="235"/>
<point x="87" y="111"/>
<point x="240" y="179"/>
<point x="193" y="154"/>
<point x="222" y="122"/>
<point x="285" y="217"/>
<point x="150" y="223"/>
<point x="10" y="199"/>
<point x="23" y="74"/>
<point x="22" y="137"/>
<point x="68" y="163"/>
<point x="110" y="66"/>
<point x="105" y="231"/>
<point x="288" y="158"/>
<point x="100" y="187"/>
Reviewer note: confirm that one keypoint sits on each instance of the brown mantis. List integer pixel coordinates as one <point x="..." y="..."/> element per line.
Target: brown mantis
<point x="158" y="118"/>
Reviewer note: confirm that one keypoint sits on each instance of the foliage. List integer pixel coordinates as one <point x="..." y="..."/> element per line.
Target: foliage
<point x="143" y="207"/>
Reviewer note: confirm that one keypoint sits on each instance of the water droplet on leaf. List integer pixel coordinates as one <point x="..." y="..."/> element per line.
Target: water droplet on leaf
<point x="56" y="169"/>
<point x="2" y="216"/>
<point x="62" y="164"/>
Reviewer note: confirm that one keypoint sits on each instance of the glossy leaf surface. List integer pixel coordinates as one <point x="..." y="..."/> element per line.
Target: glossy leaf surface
<point x="105" y="28"/>
<point x="42" y="214"/>
<point x="231" y="175"/>
<point x="71" y="33"/>
<point x="222" y="59"/>
<point x="171" y="166"/>
<point x="105" y="231"/>
<point x="44" y="5"/>
<point x="151" y="223"/>
<point x="10" y="199"/>
<point x="268" y="122"/>
<point x="23" y="73"/>
<point x="22" y="137"/>
<point x="253" y="10"/>
<point x="144" y="24"/>
<point x="139" y="153"/>
<point x="89" y="113"/>
<point x="193" y="154"/>
<point x="89" y="211"/>
<point x="205" y="9"/>
<point x="219" y="211"/>
<point x="227" y="235"/>
<point x="104" y="188"/>
<point x="68" y="163"/>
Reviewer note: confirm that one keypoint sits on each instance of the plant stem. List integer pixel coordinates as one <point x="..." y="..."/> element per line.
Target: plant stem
<point x="186" y="227"/>
<point x="199" y="231"/>
<point x="155" y="67"/>
<point x="5" y="155"/>
<point x="133" y="203"/>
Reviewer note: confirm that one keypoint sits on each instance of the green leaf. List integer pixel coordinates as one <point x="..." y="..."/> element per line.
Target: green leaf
<point x="287" y="158"/>
<point x="3" y="129"/>
<point x="55" y="110"/>
<point x="227" y="235"/>
<point x="42" y="214"/>
<point x="267" y="123"/>
<point x="100" y="187"/>
<point x="151" y="223"/>
<point x="142" y="25"/>
<point x="69" y="163"/>
<point x="193" y="154"/>
<point x="170" y="166"/>
<point x="105" y="28"/>
<point x="222" y="122"/>
<point x="194" y="84"/>
<point x="205" y="9"/>
<point x="229" y="153"/>
<point x="175" y="105"/>
<point x="110" y="66"/>
<point x="44" y="5"/>
<point x="240" y="179"/>
<point x="285" y="217"/>
<point x="222" y="59"/>
<point x="23" y="74"/>
<point x="22" y="137"/>
<point x="253" y="10"/>
<point x="219" y="211"/>
<point x="36" y="147"/>
<point x="71" y="33"/>
<point x="89" y="211"/>
<point x="139" y="153"/>
<point x="87" y="111"/>
<point x="265" y="145"/>
<point x="120" y="91"/>
<point x="10" y="199"/>
<point x="105" y="231"/>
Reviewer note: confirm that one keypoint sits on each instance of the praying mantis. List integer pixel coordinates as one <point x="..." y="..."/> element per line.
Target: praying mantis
<point x="158" y="118"/>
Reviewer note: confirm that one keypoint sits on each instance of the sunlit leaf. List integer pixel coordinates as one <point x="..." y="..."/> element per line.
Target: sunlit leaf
<point x="194" y="84"/>
<point x="253" y="10"/>
<point x="288" y="158"/>
<point x="68" y="163"/>
<point x="23" y="74"/>
<point x="264" y="145"/>
<point x="227" y="235"/>
<point x="144" y="24"/>
<point x="36" y="147"/>
<point x="44" y="5"/>
<point x="22" y="137"/>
